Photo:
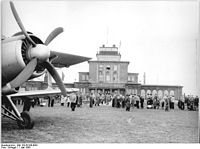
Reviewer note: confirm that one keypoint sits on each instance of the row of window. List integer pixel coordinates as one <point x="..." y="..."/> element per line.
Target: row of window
<point x="85" y="77"/>
<point x="108" y="67"/>
<point x="107" y="78"/>
<point x="131" y="78"/>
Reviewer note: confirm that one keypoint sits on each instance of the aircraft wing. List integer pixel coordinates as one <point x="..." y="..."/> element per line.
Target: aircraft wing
<point x="66" y="60"/>
<point x="41" y="93"/>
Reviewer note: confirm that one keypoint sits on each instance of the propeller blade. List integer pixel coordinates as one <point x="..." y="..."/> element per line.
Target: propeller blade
<point x="56" y="76"/>
<point x="19" y="22"/>
<point x="53" y="34"/>
<point x="25" y="74"/>
<point x="14" y="38"/>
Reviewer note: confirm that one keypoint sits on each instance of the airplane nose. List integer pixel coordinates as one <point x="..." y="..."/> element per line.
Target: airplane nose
<point x="41" y="52"/>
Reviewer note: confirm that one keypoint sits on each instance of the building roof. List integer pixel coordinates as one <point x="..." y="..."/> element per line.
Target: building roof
<point x="154" y="85"/>
<point x="132" y="73"/>
<point x="108" y="61"/>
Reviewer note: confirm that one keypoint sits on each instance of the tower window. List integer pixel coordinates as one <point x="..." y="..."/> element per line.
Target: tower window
<point x="115" y="68"/>
<point x="100" y="67"/>
<point x="108" y="67"/>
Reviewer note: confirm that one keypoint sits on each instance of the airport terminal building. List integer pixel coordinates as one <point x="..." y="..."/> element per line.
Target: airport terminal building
<point x="109" y="74"/>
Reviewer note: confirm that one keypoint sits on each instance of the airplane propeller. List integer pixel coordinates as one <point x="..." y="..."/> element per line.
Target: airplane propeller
<point x="38" y="54"/>
<point x="19" y="22"/>
<point x="53" y="34"/>
<point x="25" y="74"/>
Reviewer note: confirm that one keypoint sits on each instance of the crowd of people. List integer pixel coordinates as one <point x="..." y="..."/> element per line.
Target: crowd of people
<point x="131" y="101"/>
<point x="117" y="100"/>
<point x="191" y="102"/>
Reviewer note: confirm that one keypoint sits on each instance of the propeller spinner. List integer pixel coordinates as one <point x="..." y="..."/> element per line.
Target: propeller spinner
<point x="38" y="54"/>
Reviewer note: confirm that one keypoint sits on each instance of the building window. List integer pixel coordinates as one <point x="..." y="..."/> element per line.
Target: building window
<point x="132" y="79"/>
<point x="114" y="77"/>
<point x="129" y="78"/>
<point x="115" y="68"/>
<point x="108" y="73"/>
<point x="108" y="67"/>
<point x="107" y="78"/>
<point x="83" y="77"/>
<point x="101" y="78"/>
<point x="100" y="73"/>
<point x="86" y="77"/>
<point x="101" y="67"/>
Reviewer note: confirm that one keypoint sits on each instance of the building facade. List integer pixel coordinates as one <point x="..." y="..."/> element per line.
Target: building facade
<point x="109" y="74"/>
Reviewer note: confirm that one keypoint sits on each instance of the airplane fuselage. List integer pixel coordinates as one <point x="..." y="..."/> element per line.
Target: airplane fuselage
<point x="12" y="61"/>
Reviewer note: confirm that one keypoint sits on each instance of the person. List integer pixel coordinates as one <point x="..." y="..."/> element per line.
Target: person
<point x="190" y="105"/>
<point x="52" y="101"/>
<point x="187" y="100"/>
<point x="62" y="100"/>
<point x="167" y="103"/>
<point x="27" y="103"/>
<point x="182" y="102"/>
<point x="123" y="102"/>
<point x="37" y="100"/>
<point x="92" y="96"/>
<point x="68" y="101"/>
<point x="132" y="100"/>
<point x="172" y="102"/>
<point x="80" y="100"/>
<point x="137" y="99"/>
<point x="108" y="98"/>
<point x="49" y="101"/>
<point x="118" y="100"/>
<point x="196" y="102"/>
<point x="162" y="101"/>
<point x="141" y="102"/>
<point x="73" y="101"/>
<point x="102" y="98"/>
<point x="97" y="99"/>
<point x="113" y="100"/>
<point x="116" y="96"/>
<point x="155" y="101"/>
<point x="128" y="104"/>
<point x="149" y="101"/>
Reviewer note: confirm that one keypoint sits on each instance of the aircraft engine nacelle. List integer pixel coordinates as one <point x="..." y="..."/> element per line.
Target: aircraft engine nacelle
<point x="14" y="58"/>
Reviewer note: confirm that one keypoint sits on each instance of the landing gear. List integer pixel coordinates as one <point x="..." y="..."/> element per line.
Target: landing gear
<point x="27" y="122"/>
<point x="24" y="120"/>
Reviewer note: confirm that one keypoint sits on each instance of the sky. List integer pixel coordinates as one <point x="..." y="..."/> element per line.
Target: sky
<point x="160" y="38"/>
